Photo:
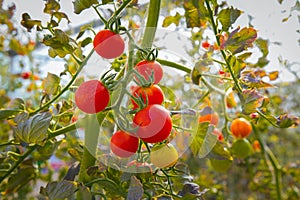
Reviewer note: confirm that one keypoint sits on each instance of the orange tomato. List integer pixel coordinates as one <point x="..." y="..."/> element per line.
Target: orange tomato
<point x="240" y="128"/>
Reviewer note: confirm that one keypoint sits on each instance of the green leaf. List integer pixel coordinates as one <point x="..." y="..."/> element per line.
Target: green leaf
<point x="236" y="64"/>
<point x="239" y="40"/>
<point x="84" y="193"/>
<point x="19" y="179"/>
<point x="29" y="23"/>
<point x="59" y="190"/>
<point x="203" y="141"/>
<point x="34" y="129"/>
<point x="135" y="190"/>
<point x="228" y="16"/>
<point x="195" y="13"/>
<point x="4" y="114"/>
<point x="172" y="19"/>
<point x="51" y="6"/>
<point x="80" y="5"/>
<point x="14" y="107"/>
<point x="61" y="44"/>
<point x="51" y="84"/>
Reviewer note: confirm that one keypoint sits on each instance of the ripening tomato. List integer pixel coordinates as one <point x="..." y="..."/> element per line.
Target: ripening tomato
<point x="164" y="155"/>
<point x="218" y="133"/>
<point x="152" y="94"/>
<point x="208" y="115"/>
<point x="123" y="144"/>
<point x="146" y="68"/>
<point x="230" y="100"/>
<point x="240" y="128"/>
<point x="92" y="97"/>
<point x="108" y="44"/>
<point x="154" y="123"/>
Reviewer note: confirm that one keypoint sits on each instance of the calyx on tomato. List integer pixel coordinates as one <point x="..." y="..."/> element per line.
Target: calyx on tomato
<point x="149" y="95"/>
<point x="150" y="68"/>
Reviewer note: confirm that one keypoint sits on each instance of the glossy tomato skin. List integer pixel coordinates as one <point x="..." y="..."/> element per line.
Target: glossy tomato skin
<point x="123" y="144"/>
<point x="108" y="44"/>
<point x="92" y="97"/>
<point x="146" y="68"/>
<point x="153" y="123"/>
<point x="152" y="94"/>
<point x="240" y="128"/>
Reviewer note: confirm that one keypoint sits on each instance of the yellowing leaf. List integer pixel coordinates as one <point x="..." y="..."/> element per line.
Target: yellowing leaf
<point x="51" y="84"/>
<point x="172" y="19"/>
<point x="273" y="75"/>
<point x="239" y="40"/>
<point x="29" y="23"/>
<point x="228" y="16"/>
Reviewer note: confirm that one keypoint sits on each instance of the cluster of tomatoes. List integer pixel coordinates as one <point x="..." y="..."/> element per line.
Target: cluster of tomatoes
<point x="152" y="122"/>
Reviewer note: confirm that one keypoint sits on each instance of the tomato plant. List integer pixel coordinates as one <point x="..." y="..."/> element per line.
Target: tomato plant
<point x="241" y="127"/>
<point x="152" y="94"/>
<point x="153" y="123"/>
<point x="92" y="96"/>
<point x="163" y="155"/>
<point x="146" y="68"/>
<point x="124" y="144"/>
<point x="75" y="137"/>
<point x="108" y="44"/>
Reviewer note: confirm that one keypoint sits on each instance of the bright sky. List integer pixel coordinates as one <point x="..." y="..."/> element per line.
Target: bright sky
<point x="268" y="15"/>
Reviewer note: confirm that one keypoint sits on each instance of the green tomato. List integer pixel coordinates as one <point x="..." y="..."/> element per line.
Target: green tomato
<point x="241" y="148"/>
<point x="164" y="155"/>
<point x="220" y="165"/>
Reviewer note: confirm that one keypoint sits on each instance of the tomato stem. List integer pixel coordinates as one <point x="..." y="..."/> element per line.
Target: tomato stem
<point x="211" y="16"/>
<point x="151" y="25"/>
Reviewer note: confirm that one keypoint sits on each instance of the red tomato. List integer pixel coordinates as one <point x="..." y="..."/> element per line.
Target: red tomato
<point x="153" y="94"/>
<point x="146" y="68"/>
<point x="205" y="44"/>
<point x="25" y="75"/>
<point x="123" y="144"/>
<point x="154" y="123"/>
<point x="108" y="44"/>
<point x="92" y="97"/>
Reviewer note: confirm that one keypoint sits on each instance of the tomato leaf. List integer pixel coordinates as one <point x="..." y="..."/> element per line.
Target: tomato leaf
<point x="34" y="129"/>
<point x="236" y="64"/>
<point x="252" y="81"/>
<point x="172" y="19"/>
<point x="84" y="192"/>
<point x="285" y="121"/>
<point x="51" y="84"/>
<point x="60" y="16"/>
<point x="59" y="190"/>
<point x="51" y="6"/>
<point x="203" y="141"/>
<point x="195" y="13"/>
<point x="80" y="5"/>
<point x="19" y="179"/>
<point x="228" y="16"/>
<point x="252" y="100"/>
<point x="61" y="44"/>
<point x="29" y="23"/>
<point x="239" y="40"/>
<point x="135" y="190"/>
<point x="14" y="107"/>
